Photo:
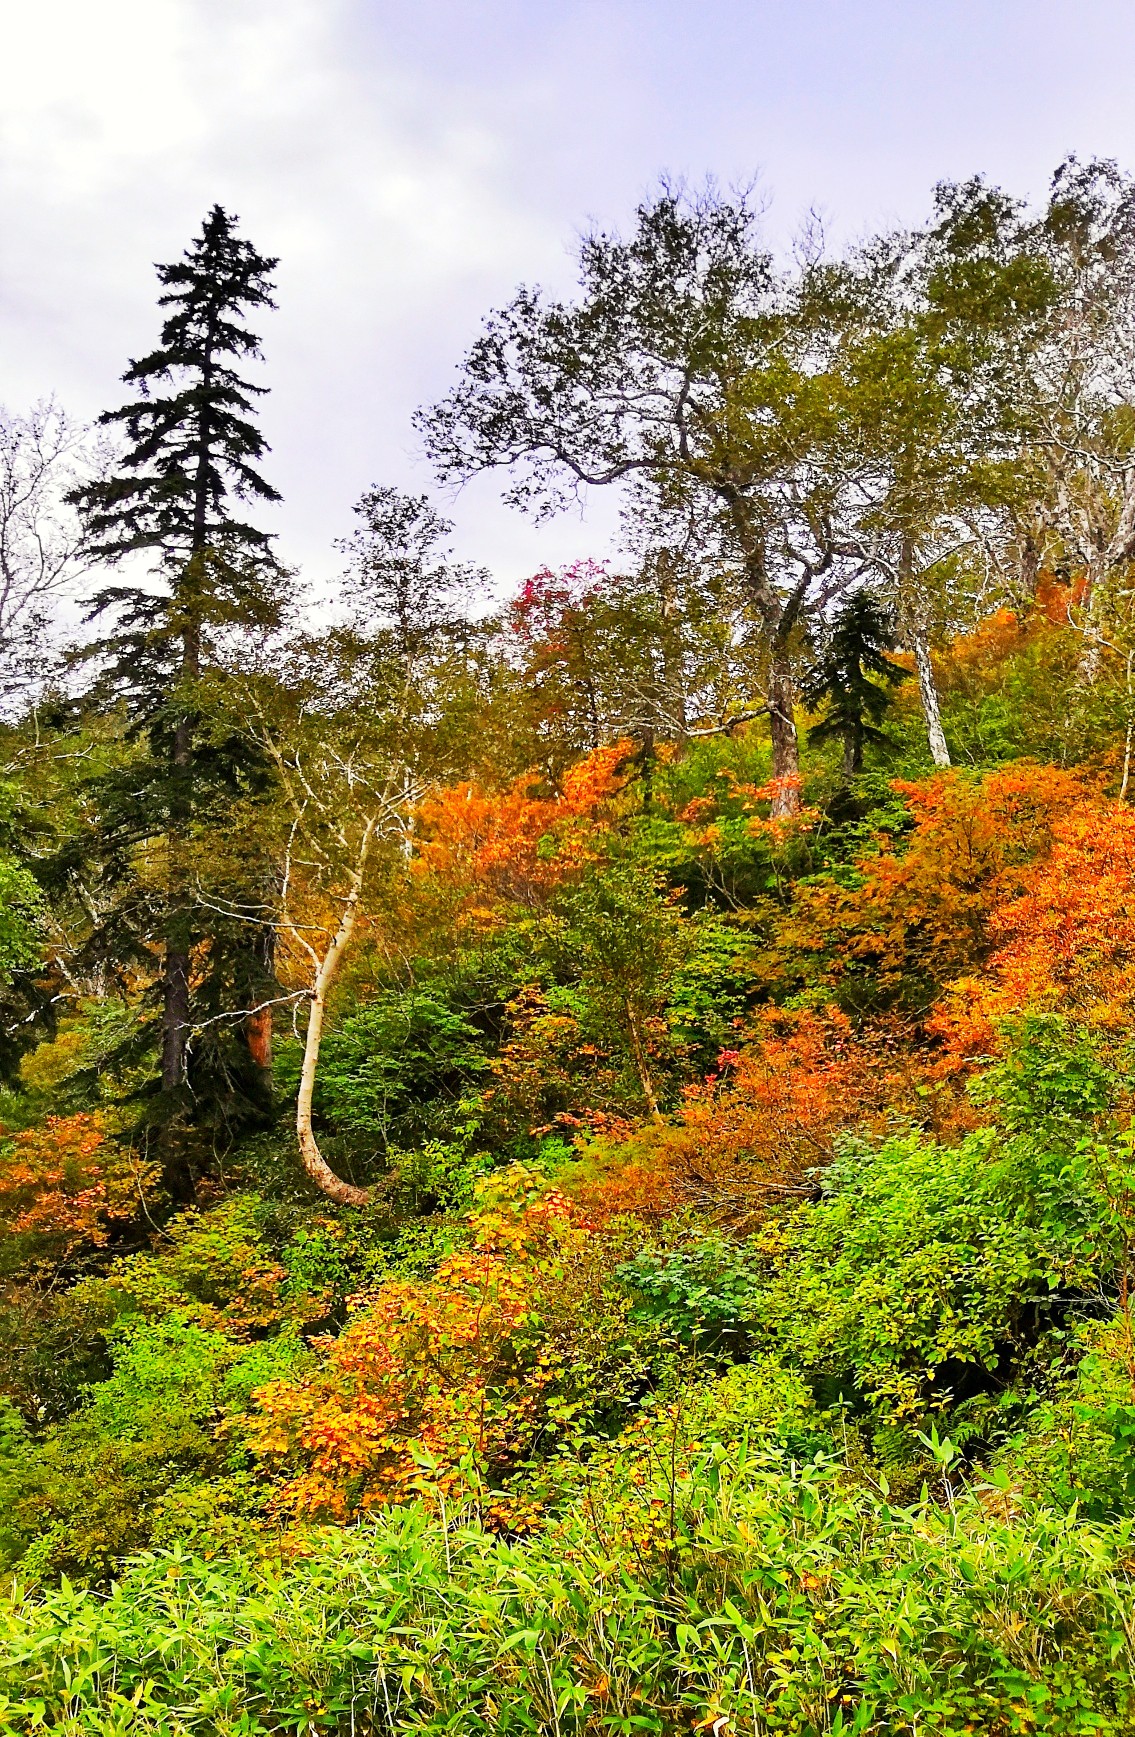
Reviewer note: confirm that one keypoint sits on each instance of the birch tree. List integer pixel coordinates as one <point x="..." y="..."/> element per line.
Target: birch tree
<point x="358" y="722"/>
<point x="43" y="455"/>
<point x="685" y="372"/>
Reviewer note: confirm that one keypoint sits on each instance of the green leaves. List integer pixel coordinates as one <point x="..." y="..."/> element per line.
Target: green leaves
<point x="21" y="917"/>
<point x="783" y="1605"/>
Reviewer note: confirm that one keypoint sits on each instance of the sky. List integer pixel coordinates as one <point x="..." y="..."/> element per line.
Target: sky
<point x="412" y="161"/>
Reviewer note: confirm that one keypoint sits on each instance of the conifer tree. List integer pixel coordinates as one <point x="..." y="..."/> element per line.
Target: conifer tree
<point x="853" y="678"/>
<point x="190" y="459"/>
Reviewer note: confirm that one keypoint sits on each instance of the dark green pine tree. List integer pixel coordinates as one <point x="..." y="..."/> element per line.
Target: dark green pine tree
<point x="189" y="464"/>
<point x="853" y="678"/>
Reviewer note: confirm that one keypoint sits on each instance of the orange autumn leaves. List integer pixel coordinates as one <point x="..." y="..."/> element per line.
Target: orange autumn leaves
<point x="483" y="849"/>
<point x="1065" y="943"/>
<point x="65" y="1186"/>
<point x="918" y="917"/>
<point x="1013" y="891"/>
<point x="429" y="1374"/>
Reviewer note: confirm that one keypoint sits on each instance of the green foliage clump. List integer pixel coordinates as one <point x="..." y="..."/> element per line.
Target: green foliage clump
<point x="912" y="1272"/>
<point x="86" y="1492"/>
<point x="400" y="1069"/>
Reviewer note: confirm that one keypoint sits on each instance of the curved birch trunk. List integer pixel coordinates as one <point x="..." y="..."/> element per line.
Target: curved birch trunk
<point x="317" y="1167"/>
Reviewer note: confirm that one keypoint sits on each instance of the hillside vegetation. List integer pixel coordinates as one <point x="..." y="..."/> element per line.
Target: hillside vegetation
<point x="568" y="1163"/>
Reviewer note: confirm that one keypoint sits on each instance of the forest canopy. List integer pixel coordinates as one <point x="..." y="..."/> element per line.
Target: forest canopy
<point x="566" y="1157"/>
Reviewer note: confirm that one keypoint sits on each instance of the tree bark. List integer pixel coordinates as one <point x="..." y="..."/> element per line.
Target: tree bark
<point x="175" y="1013"/>
<point x="638" y="1050"/>
<point x="928" y="694"/>
<point x="777" y="621"/>
<point x="176" y="1009"/>
<point x="785" y="741"/>
<point x="317" y="1167"/>
<point x="175" y="1016"/>
<point x="1088" y="668"/>
<point x="913" y="615"/>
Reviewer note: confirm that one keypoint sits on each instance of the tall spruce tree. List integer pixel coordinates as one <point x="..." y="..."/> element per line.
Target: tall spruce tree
<point x="852" y="679"/>
<point x="191" y="453"/>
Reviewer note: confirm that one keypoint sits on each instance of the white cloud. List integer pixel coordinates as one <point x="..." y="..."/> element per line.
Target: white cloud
<point x="411" y="160"/>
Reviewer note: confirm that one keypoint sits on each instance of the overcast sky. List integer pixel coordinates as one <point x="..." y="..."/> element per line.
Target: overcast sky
<point x="411" y="161"/>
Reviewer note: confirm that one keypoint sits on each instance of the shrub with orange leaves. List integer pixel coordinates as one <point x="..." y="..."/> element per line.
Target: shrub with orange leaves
<point x="64" y="1186"/>
<point x="751" y="1133"/>
<point x="641" y="1181"/>
<point x="771" y="1114"/>
<point x="457" y="1370"/>
<point x="1065" y="940"/>
<point x="518" y="845"/>
<point x="917" y="919"/>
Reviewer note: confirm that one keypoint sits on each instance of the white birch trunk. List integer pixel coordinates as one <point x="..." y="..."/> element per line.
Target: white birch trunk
<point x="314" y="1162"/>
<point x="928" y="694"/>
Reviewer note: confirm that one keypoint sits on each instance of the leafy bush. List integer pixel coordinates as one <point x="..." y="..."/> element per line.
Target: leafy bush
<point x="913" y="1269"/>
<point x="86" y="1492"/>
<point x="703" y="1291"/>
<point x="400" y="1069"/>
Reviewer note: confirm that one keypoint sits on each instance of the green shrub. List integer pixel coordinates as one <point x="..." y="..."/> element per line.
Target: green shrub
<point x="915" y="1265"/>
<point x="85" y="1492"/>
<point x="398" y="1070"/>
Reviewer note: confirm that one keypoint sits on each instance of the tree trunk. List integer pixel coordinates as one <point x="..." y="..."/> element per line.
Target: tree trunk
<point x="314" y="1162"/>
<point x="928" y="694"/>
<point x="175" y="1017"/>
<point x="175" y="1013"/>
<point x="1091" y="657"/>
<point x="914" y="618"/>
<point x="785" y="742"/>
<point x="258" y="1026"/>
<point x="317" y="1167"/>
<point x="638" y="1050"/>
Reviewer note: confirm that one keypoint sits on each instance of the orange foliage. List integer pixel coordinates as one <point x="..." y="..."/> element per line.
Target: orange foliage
<point x="1067" y="940"/>
<point x="752" y="1132"/>
<point x="1054" y="600"/>
<point x="429" y="1374"/>
<point x="518" y="845"/>
<point x="779" y="1101"/>
<point x="636" y="1188"/>
<point x="926" y="913"/>
<point x="67" y="1185"/>
<point x="991" y="642"/>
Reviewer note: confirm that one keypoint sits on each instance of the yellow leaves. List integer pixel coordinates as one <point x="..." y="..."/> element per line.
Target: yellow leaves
<point x="432" y="1370"/>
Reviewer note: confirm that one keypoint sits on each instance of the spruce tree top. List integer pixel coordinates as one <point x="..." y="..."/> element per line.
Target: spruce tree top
<point x="191" y="443"/>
